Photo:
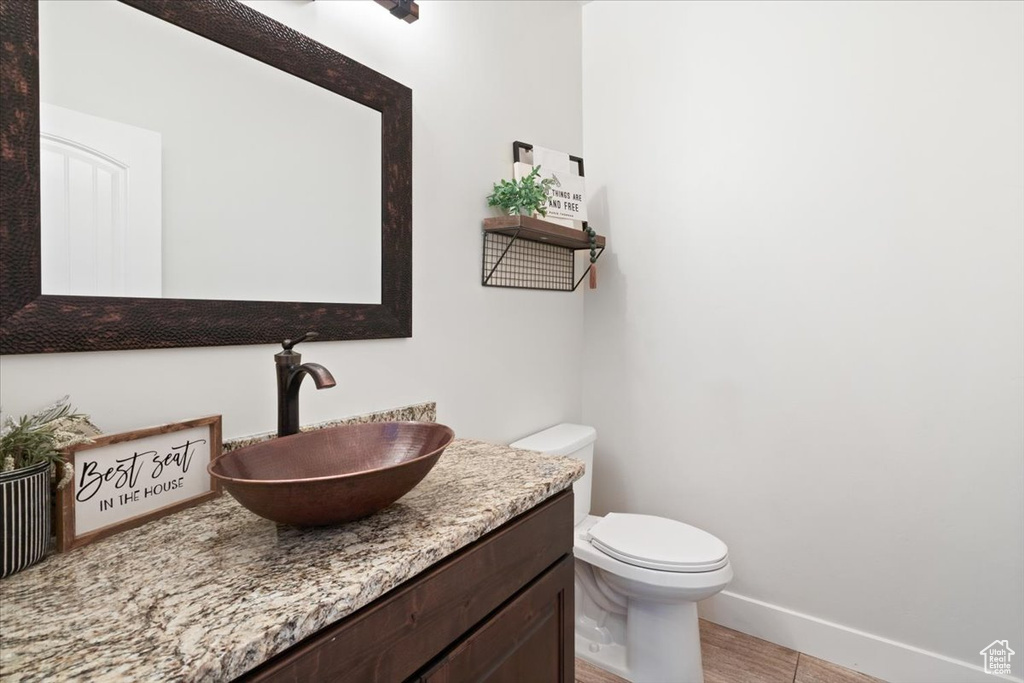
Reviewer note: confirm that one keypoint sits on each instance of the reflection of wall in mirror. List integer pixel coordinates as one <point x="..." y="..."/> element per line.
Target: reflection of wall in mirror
<point x="256" y="163"/>
<point x="100" y="233"/>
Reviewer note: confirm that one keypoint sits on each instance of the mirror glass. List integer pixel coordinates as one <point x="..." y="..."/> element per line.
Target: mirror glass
<point x="175" y="167"/>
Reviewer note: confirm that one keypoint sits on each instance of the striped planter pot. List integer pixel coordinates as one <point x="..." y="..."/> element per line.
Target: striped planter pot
<point x="24" y="517"/>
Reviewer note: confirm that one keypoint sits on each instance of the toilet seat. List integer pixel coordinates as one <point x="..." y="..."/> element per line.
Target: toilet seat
<point x="658" y="543"/>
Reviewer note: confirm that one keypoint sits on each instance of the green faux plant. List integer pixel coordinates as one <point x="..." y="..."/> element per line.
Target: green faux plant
<point x="523" y="197"/>
<point x="40" y="437"/>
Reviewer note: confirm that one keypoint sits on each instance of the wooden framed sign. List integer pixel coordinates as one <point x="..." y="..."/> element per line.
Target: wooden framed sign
<point x="122" y="481"/>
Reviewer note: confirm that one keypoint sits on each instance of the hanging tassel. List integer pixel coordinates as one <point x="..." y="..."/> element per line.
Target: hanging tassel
<point x="593" y="254"/>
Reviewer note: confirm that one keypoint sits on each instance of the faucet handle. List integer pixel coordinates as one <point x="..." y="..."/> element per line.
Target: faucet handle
<point x="287" y="344"/>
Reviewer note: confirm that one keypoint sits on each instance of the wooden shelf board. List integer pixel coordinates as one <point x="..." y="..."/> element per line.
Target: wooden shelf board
<point x="538" y="230"/>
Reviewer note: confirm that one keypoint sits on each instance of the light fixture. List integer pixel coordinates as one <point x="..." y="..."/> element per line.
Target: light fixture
<point x="403" y="9"/>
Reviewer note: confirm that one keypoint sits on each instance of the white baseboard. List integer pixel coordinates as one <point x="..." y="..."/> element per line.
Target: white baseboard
<point x="889" y="660"/>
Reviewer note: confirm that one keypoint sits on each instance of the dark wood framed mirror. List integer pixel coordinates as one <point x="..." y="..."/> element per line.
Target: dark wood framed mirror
<point x="32" y="321"/>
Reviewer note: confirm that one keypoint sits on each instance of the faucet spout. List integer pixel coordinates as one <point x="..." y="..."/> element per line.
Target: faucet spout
<point x="322" y="377"/>
<point x="290" y="373"/>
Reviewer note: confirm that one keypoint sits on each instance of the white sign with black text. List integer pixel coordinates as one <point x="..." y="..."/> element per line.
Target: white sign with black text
<point x="136" y="476"/>
<point x="567" y="197"/>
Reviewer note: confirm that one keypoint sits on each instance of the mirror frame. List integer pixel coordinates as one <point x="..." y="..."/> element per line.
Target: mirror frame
<point x="32" y="322"/>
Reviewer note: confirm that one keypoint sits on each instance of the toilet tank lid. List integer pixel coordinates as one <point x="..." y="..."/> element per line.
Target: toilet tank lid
<point x="561" y="439"/>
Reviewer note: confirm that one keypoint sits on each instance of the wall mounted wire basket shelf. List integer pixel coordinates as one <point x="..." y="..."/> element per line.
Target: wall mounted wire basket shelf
<point x="530" y="253"/>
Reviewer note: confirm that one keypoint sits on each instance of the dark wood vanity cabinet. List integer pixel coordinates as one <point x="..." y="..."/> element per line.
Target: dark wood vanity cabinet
<point x="498" y="610"/>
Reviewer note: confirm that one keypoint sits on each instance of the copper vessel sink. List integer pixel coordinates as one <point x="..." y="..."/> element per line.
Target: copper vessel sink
<point x="332" y="475"/>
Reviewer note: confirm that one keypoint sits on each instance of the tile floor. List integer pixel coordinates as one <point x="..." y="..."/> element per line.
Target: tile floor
<point x="733" y="657"/>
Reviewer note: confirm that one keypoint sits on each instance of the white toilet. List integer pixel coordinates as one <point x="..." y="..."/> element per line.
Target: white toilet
<point x="638" y="578"/>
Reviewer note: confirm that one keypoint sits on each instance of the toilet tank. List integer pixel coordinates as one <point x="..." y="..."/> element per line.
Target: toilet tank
<point x="574" y="441"/>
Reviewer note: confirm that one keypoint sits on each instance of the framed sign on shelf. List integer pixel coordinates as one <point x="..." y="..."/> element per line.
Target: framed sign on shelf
<point x="121" y="481"/>
<point x="567" y="198"/>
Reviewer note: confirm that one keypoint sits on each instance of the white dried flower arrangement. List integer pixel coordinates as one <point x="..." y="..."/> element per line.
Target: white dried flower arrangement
<point x="42" y="436"/>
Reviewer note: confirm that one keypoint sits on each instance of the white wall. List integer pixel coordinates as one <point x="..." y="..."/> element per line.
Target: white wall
<point x="808" y="333"/>
<point x="499" y="362"/>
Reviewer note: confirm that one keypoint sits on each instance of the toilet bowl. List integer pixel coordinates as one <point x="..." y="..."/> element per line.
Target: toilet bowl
<point x="638" y="578"/>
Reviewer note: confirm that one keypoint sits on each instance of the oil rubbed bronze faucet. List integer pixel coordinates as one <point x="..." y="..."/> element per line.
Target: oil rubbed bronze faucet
<point x="289" y="378"/>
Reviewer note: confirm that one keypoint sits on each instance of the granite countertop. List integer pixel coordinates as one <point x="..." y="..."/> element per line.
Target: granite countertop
<point x="213" y="591"/>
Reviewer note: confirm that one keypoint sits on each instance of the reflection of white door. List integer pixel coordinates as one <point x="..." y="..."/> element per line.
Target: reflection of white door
<point x="100" y="192"/>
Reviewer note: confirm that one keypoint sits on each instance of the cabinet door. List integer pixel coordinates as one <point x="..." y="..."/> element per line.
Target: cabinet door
<point x="530" y="639"/>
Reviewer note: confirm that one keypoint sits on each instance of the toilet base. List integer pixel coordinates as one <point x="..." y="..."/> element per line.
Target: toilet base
<point x="664" y="642"/>
<point x="664" y="645"/>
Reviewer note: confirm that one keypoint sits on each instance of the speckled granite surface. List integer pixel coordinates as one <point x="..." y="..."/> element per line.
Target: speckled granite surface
<point x="213" y="591"/>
